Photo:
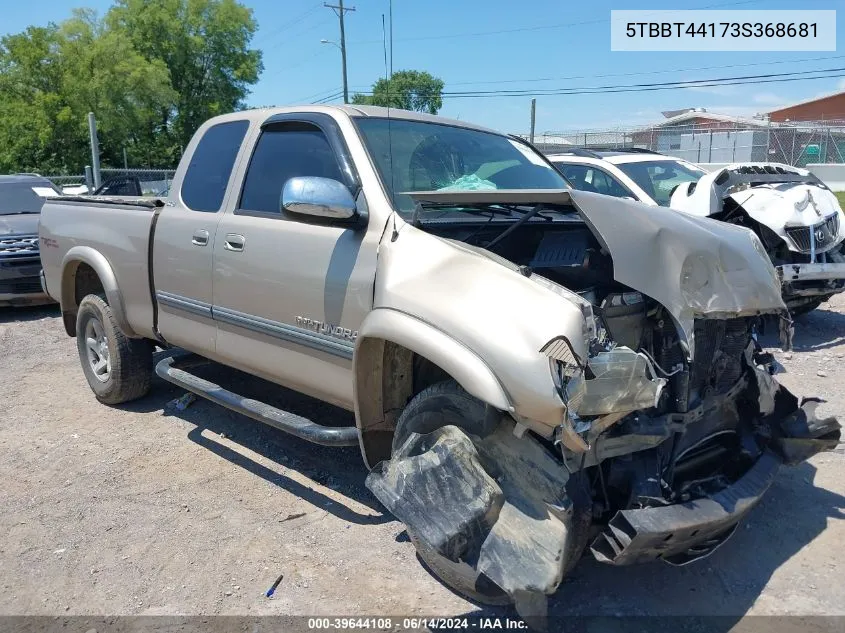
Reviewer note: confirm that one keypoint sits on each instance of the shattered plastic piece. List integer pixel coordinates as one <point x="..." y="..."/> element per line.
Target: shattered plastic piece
<point x="519" y="529"/>
<point x="623" y="382"/>
<point x="469" y="183"/>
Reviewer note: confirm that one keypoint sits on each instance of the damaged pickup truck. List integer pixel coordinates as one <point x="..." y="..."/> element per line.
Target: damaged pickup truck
<point x="795" y="215"/>
<point x="535" y="372"/>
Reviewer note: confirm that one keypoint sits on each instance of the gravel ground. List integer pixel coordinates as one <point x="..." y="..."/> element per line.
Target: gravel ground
<point x="143" y="509"/>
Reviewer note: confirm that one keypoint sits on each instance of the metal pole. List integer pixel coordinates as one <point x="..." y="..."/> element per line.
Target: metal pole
<point x="340" y="10"/>
<point x="89" y="178"/>
<point x="391" y="38"/>
<point x="125" y="162"/>
<point x="533" y="119"/>
<point x="95" y="148"/>
<point x="343" y="52"/>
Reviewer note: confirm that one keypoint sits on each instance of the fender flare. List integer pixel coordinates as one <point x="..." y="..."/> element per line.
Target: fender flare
<point x="96" y="260"/>
<point x="375" y="412"/>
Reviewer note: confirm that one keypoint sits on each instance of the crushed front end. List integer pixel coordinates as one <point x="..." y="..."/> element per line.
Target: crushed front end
<point x="667" y="426"/>
<point x="673" y="481"/>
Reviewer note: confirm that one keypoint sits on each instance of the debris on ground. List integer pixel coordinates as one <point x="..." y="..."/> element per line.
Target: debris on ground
<point x="183" y="402"/>
<point x="272" y="589"/>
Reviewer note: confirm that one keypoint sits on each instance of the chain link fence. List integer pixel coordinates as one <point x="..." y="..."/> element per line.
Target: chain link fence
<point x="796" y="144"/>
<point x="150" y="182"/>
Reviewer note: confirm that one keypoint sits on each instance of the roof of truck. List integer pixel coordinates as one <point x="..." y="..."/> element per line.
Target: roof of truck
<point x="260" y="114"/>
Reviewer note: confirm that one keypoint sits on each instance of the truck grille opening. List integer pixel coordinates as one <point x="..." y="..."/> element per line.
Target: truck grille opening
<point x="719" y="347"/>
<point x="21" y="245"/>
<point x="20" y="287"/>
<point x="823" y="234"/>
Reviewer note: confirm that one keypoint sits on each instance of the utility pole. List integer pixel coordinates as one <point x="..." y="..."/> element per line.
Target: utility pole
<point x="391" y="38"/>
<point x="339" y="10"/>
<point x="533" y="119"/>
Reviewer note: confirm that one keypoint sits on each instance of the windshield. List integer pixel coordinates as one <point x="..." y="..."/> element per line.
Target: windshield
<point x="658" y="178"/>
<point x="422" y="156"/>
<point x="24" y="197"/>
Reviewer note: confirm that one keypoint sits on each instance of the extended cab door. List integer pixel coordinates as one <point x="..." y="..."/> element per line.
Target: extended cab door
<point x="184" y="238"/>
<point x="290" y="291"/>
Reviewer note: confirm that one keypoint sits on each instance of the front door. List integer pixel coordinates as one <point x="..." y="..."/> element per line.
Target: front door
<point x="290" y="292"/>
<point x="184" y="240"/>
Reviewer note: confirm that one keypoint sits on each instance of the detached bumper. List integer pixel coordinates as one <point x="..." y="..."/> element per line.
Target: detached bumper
<point x="688" y="531"/>
<point x="794" y="278"/>
<point x="685" y="532"/>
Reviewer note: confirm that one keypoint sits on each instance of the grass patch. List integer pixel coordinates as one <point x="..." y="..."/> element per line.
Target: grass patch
<point x="840" y="195"/>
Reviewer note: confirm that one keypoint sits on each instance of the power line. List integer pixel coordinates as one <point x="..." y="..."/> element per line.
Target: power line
<point x="700" y="83"/>
<point x="316" y="95"/>
<point x="669" y="84"/>
<point x="290" y="23"/>
<point x="544" y="27"/>
<point x="329" y="98"/>
<point x="647" y="72"/>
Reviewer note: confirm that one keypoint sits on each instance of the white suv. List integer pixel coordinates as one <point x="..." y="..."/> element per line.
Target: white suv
<point x="631" y="173"/>
<point x="795" y="215"/>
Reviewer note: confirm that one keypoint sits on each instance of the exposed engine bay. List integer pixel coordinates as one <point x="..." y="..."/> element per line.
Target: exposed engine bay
<point x="673" y="429"/>
<point x="795" y="215"/>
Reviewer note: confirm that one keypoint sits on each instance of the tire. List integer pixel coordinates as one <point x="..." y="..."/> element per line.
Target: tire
<point x="118" y="368"/>
<point x="443" y="404"/>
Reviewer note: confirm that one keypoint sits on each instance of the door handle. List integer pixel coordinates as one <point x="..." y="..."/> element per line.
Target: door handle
<point x="234" y="242"/>
<point x="200" y="237"/>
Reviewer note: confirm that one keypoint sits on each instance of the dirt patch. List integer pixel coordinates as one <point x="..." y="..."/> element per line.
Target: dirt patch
<point x="144" y="509"/>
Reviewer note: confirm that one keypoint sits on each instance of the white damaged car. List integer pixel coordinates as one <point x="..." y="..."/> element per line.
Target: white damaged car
<point x="795" y="215"/>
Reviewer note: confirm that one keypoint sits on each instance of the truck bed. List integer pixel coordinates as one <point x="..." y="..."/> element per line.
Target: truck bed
<point x="115" y="228"/>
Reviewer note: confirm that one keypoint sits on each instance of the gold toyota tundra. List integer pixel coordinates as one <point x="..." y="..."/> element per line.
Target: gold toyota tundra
<point x="535" y="372"/>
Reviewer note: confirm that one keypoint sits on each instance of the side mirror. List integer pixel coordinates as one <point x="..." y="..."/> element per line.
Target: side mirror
<point x="320" y="197"/>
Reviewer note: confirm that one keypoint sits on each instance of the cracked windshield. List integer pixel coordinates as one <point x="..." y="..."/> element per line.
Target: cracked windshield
<point x="421" y="156"/>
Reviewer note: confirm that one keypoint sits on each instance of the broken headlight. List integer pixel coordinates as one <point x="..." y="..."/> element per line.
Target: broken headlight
<point x="590" y="330"/>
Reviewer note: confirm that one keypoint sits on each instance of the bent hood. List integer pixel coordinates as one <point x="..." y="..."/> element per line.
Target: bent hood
<point x="695" y="267"/>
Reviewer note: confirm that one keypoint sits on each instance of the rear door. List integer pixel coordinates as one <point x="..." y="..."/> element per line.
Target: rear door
<point x="290" y="291"/>
<point x="184" y="238"/>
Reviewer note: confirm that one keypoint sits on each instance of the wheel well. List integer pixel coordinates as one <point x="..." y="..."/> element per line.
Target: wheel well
<point x="84" y="281"/>
<point x="387" y="376"/>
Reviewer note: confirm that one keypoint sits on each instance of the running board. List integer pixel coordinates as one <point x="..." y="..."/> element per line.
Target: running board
<point x="288" y="422"/>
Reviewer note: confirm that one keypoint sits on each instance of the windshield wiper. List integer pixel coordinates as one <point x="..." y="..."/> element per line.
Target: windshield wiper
<point x="513" y="227"/>
<point x="475" y="209"/>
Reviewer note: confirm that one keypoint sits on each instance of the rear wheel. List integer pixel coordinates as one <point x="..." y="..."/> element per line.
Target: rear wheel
<point x="440" y="405"/>
<point x="118" y="369"/>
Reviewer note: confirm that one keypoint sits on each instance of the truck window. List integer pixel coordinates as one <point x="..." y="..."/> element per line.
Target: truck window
<point x="283" y="152"/>
<point x="211" y="165"/>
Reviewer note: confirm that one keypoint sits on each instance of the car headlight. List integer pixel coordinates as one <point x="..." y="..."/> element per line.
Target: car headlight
<point x="590" y="330"/>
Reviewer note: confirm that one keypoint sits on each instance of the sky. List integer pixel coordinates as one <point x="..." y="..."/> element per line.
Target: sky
<point x="492" y="44"/>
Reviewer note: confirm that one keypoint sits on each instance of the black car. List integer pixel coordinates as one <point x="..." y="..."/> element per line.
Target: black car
<point x="21" y="198"/>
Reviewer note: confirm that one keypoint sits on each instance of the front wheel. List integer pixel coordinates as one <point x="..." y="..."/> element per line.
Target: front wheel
<point x="118" y="368"/>
<point x="443" y="404"/>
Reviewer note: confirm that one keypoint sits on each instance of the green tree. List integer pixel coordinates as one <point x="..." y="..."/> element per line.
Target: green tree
<point x="51" y="77"/>
<point x="205" y="46"/>
<point x="152" y="71"/>
<point x="406" y="90"/>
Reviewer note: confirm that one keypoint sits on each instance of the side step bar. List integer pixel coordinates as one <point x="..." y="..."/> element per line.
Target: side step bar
<point x="288" y="422"/>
